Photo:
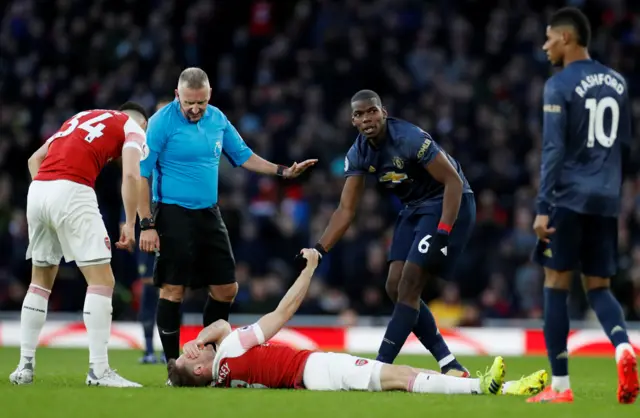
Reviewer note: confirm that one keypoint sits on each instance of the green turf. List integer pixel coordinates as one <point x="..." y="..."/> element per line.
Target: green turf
<point x="59" y="391"/>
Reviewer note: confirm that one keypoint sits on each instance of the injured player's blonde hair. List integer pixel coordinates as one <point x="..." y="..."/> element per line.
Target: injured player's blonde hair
<point x="180" y="376"/>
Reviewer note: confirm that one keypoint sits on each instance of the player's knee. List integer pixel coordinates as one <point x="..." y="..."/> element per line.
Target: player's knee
<point x="410" y="290"/>
<point x="224" y="292"/>
<point x="592" y="283"/>
<point x="97" y="273"/>
<point x="393" y="280"/>
<point x="44" y="276"/>
<point x="411" y="283"/>
<point x="555" y="279"/>
<point x="172" y="293"/>
<point x="391" y="288"/>
<point x="394" y="377"/>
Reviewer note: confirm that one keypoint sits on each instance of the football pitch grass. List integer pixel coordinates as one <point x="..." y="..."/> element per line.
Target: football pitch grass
<point x="59" y="391"/>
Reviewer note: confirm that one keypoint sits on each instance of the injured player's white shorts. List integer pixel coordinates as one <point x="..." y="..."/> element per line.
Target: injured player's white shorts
<point x="339" y="371"/>
<point x="64" y="220"/>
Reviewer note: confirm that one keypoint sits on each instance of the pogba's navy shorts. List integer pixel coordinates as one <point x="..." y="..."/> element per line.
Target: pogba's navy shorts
<point x="587" y="242"/>
<point x="415" y="227"/>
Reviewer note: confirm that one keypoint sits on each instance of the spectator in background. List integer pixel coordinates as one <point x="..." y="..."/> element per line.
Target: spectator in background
<point x="469" y="72"/>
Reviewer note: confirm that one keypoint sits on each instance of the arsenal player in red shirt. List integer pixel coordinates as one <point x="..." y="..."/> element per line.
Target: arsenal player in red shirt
<point x="245" y="358"/>
<point x="64" y="220"/>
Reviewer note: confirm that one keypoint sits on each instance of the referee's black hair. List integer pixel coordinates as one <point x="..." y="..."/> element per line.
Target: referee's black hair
<point x="366" y="95"/>
<point x="135" y="107"/>
<point x="571" y="16"/>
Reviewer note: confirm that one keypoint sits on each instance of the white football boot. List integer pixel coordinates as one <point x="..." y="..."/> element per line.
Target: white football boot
<point x="110" y="379"/>
<point x="22" y="376"/>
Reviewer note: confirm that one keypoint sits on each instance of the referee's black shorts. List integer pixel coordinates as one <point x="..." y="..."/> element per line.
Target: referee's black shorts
<point x="194" y="248"/>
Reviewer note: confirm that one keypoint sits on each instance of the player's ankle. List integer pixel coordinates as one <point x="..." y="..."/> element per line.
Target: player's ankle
<point x="28" y="359"/>
<point x="449" y="363"/>
<point x="99" y="368"/>
<point x="560" y="383"/>
<point x="624" y="348"/>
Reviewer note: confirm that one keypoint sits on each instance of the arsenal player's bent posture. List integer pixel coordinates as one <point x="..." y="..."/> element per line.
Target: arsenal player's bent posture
<point x="64" y="220"/>
<point x="244" y="358"/>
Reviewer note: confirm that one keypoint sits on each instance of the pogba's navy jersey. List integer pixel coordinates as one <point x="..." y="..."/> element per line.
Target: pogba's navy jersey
<point x="399" y="163"/>
<point x="586" y="124"/>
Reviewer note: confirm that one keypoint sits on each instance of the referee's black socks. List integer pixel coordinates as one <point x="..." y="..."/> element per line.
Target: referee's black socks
<point x="168" y="321"/>
<point x="214" y="310"/>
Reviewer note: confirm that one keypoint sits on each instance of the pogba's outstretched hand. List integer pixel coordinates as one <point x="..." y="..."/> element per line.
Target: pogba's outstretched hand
<point x="302" y="259"/>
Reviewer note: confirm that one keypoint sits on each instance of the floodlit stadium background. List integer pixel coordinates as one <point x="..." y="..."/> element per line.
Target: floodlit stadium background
<point x="470" y="72"/>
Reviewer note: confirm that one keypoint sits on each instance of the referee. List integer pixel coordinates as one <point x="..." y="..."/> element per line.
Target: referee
<point x="186" y="139"/>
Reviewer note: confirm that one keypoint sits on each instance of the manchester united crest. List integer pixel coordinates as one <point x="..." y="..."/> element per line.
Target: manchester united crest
<point x="397" y="162"/>
<point x="107" y="243"/>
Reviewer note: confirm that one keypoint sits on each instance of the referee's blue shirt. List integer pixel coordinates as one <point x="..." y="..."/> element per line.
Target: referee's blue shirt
<point x="184" y="157"/>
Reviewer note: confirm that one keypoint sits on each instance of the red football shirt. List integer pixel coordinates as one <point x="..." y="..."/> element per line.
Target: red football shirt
<point x="85" y="143"/>
<point x="245" y="360"/>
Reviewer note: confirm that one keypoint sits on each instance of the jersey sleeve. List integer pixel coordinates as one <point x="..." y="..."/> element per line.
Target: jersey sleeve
<point x="250" y="336"/>
<point x="353" y="163"/>
<point x="554" y="126"/>
<point x="236" y="344"/>
<point x="135" y="137"/>
<point x="233" y="146"/>
<point x="423" y="148"/>
<point x="156" y="139"/>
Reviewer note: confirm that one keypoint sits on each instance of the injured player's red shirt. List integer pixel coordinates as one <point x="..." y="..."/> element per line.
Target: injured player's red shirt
<point x="245" y="360"/>
<point x="87" y="142"/>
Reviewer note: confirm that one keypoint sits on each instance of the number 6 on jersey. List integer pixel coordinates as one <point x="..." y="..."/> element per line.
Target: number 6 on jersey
<point x="423" y="245"/>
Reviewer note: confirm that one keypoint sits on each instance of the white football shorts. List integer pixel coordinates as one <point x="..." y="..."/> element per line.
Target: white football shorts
<point x="64" y="220"/>
<point x="339" y="371"/>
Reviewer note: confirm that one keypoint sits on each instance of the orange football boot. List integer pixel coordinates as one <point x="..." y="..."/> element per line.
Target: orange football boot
<point x="551" y="396"/>
<point x="628" y="385"/>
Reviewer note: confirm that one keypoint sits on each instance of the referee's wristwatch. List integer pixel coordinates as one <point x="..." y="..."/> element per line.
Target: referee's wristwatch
<point x="147" y="223"/>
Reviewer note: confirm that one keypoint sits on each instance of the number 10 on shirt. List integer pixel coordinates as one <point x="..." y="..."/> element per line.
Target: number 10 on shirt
<point x="597" y="109"/>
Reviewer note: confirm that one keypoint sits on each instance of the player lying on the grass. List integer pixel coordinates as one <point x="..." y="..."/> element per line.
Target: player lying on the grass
<point x="243" y="358"/>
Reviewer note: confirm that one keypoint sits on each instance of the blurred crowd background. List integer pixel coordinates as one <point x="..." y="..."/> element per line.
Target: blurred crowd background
<point x="470" y="72"/>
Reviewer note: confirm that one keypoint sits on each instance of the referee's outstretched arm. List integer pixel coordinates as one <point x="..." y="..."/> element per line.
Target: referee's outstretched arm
<point x="258" y="164"/>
